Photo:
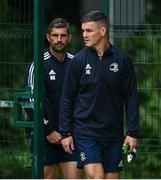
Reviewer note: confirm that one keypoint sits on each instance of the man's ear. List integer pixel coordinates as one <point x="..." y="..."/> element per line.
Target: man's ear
<point x="103" y="30"/>
<point x="47" y="37"/>
<point x="70" y="37"/>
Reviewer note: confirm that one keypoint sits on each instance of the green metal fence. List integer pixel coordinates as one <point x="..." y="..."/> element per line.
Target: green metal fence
<point x="16" y="49"/>
<point x="19" y="20"/>
<point x="135" y="27"/>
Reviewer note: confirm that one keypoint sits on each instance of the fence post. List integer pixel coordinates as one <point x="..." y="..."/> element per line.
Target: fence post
<point x="39" y="25"/>
<point x="106" y="7"/>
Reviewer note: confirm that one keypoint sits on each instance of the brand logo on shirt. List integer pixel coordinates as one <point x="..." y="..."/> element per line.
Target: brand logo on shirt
<point x="114" y="67"/>
<point x="52" y="75"/>
<point x="88" y="69"/>
<point x="82" y="156"/>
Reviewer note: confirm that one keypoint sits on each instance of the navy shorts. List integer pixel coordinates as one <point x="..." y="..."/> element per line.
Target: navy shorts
<point x="109" y="154"/>
<point x="54" y="154"/>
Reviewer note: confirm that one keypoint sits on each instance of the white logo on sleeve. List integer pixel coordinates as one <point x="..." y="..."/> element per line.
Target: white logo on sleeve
<point x="114" y="67"/>
<point x="88" y="69"/>
<point x="120" y="164"/>
<point x="52" y="75"/>
<point x="46" y="121"/>
<point x="82" y="156"/>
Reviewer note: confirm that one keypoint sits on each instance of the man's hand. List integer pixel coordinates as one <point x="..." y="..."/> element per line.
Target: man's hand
<point x="132" y="142"/>
<point x="68" y="144"/>
<point x="54" y="137"/>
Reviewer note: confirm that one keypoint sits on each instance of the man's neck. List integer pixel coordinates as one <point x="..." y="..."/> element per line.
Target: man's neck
<point x="60" y="56"/>
<point x="101" y="48"/>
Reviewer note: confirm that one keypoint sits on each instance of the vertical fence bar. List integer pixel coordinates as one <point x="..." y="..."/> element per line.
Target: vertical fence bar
<point x="106" y="7"/>
<point x="38" y="88"/>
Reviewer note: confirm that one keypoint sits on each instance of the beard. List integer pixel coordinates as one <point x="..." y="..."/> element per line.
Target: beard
<point x="59" y="48"/>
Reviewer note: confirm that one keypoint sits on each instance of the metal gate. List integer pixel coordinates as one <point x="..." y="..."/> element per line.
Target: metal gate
<point x="134" y="28"/>
<point x="16" y="49"/>
<point x="19" y="20"/>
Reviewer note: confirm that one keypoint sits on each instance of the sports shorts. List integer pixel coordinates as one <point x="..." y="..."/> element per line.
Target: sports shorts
<point x="54" y="154"/>
<point x="107" y="153"/>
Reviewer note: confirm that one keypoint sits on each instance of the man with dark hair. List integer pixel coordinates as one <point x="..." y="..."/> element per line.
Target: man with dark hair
<point x="99" y="84"/>
<point x="56" y="60"/>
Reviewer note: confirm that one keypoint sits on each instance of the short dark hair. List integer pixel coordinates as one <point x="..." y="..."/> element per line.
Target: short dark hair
<point x="96" y="16"/>
<point x="59" y="23"/>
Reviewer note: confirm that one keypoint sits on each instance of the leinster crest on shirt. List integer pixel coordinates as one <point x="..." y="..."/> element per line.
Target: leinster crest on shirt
<point x="114" y="67"/>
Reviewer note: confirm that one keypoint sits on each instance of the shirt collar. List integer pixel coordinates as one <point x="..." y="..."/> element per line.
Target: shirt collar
<point x="108" y="51"/>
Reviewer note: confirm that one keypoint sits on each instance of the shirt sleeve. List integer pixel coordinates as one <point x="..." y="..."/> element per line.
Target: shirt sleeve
<point x="48" y="114"/>
<point x="67" y="98"/>
<point x="131" y="99"/>
<point x="29" y="82"/>
<point x="48" y="118"/>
